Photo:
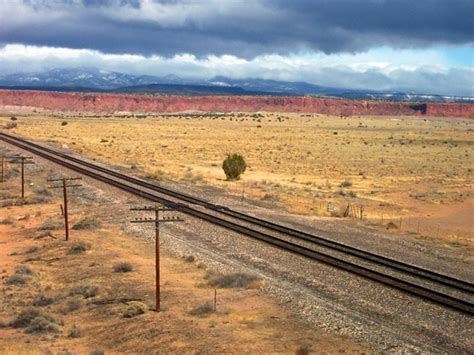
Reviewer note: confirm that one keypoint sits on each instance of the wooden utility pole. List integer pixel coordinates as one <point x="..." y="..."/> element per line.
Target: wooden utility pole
<point x="65" y="183"/>
<point x="23" y="161"/>
<point x="157" y="220"/>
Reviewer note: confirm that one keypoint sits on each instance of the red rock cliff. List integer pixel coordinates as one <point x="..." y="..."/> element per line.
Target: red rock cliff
<point x="108" y="103"/>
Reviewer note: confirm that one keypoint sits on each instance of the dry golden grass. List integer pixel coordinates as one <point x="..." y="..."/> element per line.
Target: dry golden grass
<point x="245" y="322"/>
<point x="396" y="167"/>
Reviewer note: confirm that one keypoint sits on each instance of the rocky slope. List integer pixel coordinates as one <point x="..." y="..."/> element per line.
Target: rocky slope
<point x="109" y="103"/>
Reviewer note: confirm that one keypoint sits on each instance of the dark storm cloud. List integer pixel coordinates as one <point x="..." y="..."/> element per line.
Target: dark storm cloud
<point x="244" y="28"/>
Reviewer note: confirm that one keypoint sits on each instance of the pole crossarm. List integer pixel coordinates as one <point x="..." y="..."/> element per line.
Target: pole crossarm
<point x="156" y="220"/>
<point x="151" y="208"/>
<point x="61" y="179"/>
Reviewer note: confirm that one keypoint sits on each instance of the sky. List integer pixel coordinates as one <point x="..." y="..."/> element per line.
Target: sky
<point x="423" y="46"/>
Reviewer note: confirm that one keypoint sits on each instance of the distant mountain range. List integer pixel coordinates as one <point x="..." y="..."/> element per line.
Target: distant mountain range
<point x="90" y="79"/>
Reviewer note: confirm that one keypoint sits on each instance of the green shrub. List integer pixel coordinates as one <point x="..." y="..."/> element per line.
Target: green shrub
<point x="135" y="309"/>
<point x="234" y="166"/>
<point x="87" y="223"/>
<point x="123" y="267"/>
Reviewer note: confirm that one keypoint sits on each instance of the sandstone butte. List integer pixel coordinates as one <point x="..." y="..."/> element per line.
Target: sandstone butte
<point x="110" y="103"/>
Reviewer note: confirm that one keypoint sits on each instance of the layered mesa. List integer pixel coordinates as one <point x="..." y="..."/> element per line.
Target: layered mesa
<point x="108" y="103"/>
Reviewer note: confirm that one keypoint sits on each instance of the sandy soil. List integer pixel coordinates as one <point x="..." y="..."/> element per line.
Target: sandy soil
<point x="245" y="321"/>
<point x="410" y="168"/>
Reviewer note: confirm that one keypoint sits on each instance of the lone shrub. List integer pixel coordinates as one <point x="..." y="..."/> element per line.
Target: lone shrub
<point x="23" y="270"/>
<point x="87" y="223"/>
<point x="24" y="318"/>
<point x="86" y="290"/>
<point x="346" y="183"/>
<point x="42" y="324"/>
<point x="234" y="166"/>
<point x="123" y="267"/>
<point x="74" y="332"/>
<point x="50" y="225"/>
<point x="72" y="305"/>
<point x="63" y="123"/>
<point x="202" y="311"/>
<point x="7" y="220"/>
<point x="78" y="248"/>
<point x="236" y="280"/>
<point x="135" y="309"/>
<point x="10" y="125"/>
<point x="16" y="280"/>
<point x="42" y="301"/>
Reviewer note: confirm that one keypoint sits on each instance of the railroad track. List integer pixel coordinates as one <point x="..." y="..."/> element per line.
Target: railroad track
<point x="252" y="227"/>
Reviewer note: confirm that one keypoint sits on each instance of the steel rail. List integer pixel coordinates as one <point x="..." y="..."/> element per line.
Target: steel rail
<point x="406" y="286"/>
<point x="409" y="269"/>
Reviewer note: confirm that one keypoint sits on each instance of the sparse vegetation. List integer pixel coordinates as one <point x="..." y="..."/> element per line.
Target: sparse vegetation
<point x="202" y="310"/>
<point x="86" y="290"/>
<point x="42" y="324"/>
<point x="17" y="280"/>
<point x="74" y="332"/>
<point x="78" y="248"/>
<point x="346" y="183"/>
<point x="236" y="280"/>
<point x="72" y="304"/>
<point x="134" y="309"/>
<point x="7" y="220"/>
<point x="87" y="223"/>
<point x="234" y="166"/>
<point x="10" y="125"/>
<point x="64" y="123"/>
<point x="123" y="267"/>
<point x="43" y="301"/>
<point x="50" y="225"/>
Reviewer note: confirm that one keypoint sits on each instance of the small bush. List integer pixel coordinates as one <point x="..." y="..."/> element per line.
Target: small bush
<point x="50" y="225"/>
<point x="25" y="317"/>
<point x="236" y="280"/>
<point x="87" y="223"/>
<point x="135" y="309"/>
<point x="23" y="270"/>
<point x="32" y="249"/>
<point x="43" y="301"/>
<point x="7" y="220"/>
<point x="72" y="305"/>
<point x="202" y="311"/>
<point x="346" y="183"/>
<point x="78" y="248"/>
<point x="86" y="290"/>
<point x="64" y="123"/>
<point x="190" y="258"/>
<point x="10" y="125"/>
<point x="74" y="332"/>
<point x="17" y="280"/>
<point x="13" y="118"/>
<point x="234" y="166"/>
<point x="42" y="324"/>
<point x="123" y="267"/>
